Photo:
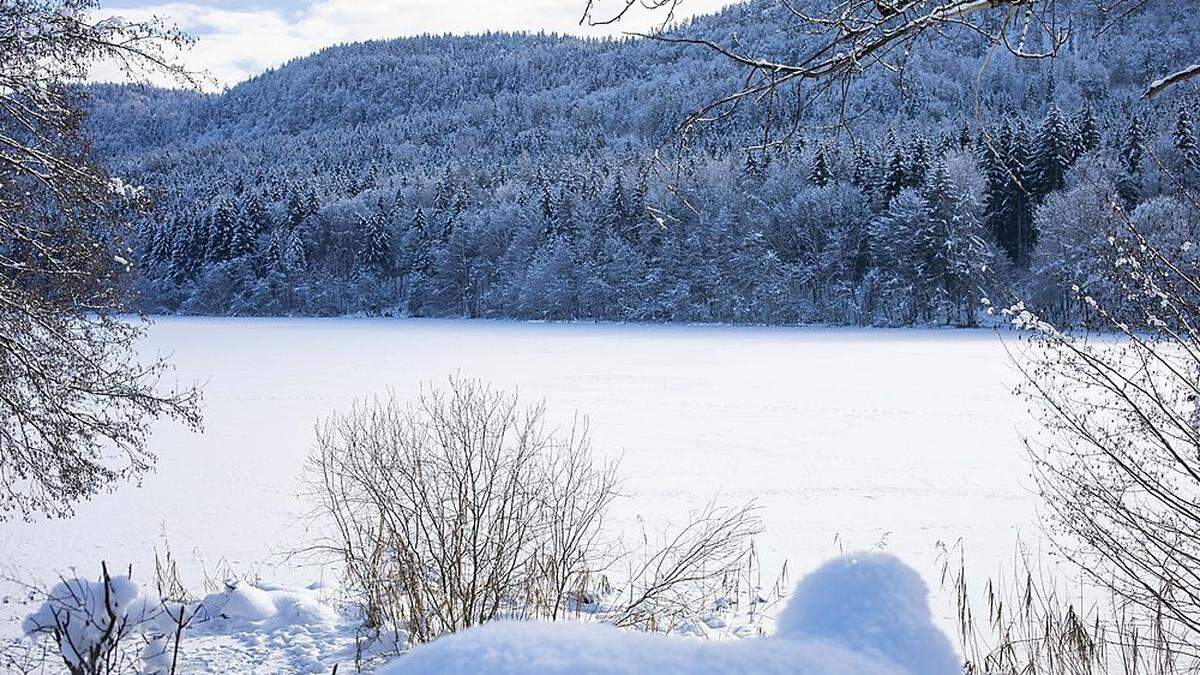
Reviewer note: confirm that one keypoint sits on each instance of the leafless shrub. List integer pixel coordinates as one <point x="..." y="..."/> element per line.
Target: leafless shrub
<point x="461" y="507"/>
<point x="1116" y="460"/>
<point x="679" y="578"/>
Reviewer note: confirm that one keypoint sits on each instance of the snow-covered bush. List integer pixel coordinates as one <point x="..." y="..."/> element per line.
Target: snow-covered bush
<point x="857" y="615"/>
<point x="107" y="626"/>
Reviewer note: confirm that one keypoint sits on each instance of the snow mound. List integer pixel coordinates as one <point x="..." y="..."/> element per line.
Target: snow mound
<point x="857" y="615"/>
<point x="513" y="648"/>
<point x="871" y="603"/>
<point x="245" y="603"/>
<point x="268" y="608"/>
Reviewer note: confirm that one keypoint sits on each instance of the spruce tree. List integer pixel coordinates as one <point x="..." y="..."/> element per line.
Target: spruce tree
<point x="295" y="258"/>
<point x="615" y="215"/>
<point x="1051" y="156"/>
<point x="1132" y="151"/>
<point x="375" y="256"/>
<point x="918" y="163"/>
<point x="223" y="225"/>
<point x="1003" y="157"/>
<point x="241" y="238"/>
<point x="273" y="256"/>
<point x="1185" y="143"/>
<point x="256" y="215"/>
<point x="1185" y="136"/>
<point x="752" y="170"/>
<point x="419" y="222"/>
<point x="1088" y="133"/>
<point x="863" y="168"/>
<point x="819" y="175"/>
<point x="297" y="210"/>
<point x="895" y="177"/>
<point x="964" y="136"/>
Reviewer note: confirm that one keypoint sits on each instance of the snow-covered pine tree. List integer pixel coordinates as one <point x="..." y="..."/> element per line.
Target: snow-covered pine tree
<point x="256" y="215"/>
<point x="297" y="209"/>
<point x="272" y="259"/>
<point x="375" y="255"/>
<point x="615" y="216"/>
<point x="1051" y="156"/>
<point x="295" y="258"/>
<point x="222" y="224"/>
<point x="896" y="255"/>
<point x="1087" y="132"/>
<point x="895" y="176"/>
<point x="918" y="163"/>
<point x="1184" y="137"/>
<point x="1133" y="148"/>
<point x="819" y="175"/>
<point x="241" y="236"/>
<point x="860" y="177"/>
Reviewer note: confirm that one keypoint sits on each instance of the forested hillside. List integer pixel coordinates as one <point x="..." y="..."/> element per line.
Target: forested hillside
<point x="539" y="176"/>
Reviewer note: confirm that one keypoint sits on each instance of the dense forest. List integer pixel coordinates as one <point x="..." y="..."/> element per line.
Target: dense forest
<point x="540" y="176"/>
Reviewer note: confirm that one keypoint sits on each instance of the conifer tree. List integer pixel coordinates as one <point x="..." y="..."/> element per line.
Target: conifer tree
<point x="1185" y="143"/>
<point x="752" y="170"/>
<point x="295" y="258"/>
<point x="1088" y="133"/>
<point x="273" y="256"/>
<point x="419" y="222"/>
<point x="297" y="209"/>
<point x="918" y="163"/>
<point x="223" y="224"/>
<point x="861" y="175"/>
<point x="256" y="215"/>
<point x="615" y="215"/>
<point x="1051" y="157"/>
<point x="241" y="237"/>
<point x="819" y="174"/>
<point x="375" y="256"/>
<point x="895" y="176"/>
<point x="1132" y="150"/>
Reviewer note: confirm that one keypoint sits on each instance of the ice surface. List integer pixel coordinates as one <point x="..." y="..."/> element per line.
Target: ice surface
<point x="847" y="438"/>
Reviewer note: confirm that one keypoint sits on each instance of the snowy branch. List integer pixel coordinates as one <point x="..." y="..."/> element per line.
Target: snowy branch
<point x="1156" y="87"/>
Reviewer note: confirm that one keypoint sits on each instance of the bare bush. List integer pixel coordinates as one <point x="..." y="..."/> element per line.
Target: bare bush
<point x="673" y="581"/>
<point x="462" y="507"/>
<point x="1117" y="461"/>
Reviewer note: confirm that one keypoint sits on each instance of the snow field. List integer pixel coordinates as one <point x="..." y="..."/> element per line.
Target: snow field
<point x="849" y="439"/>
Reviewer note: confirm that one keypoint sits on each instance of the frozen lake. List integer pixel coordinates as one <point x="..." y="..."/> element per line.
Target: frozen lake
<point x="848" y="439"/>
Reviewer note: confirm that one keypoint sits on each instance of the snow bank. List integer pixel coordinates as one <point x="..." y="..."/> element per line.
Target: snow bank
<point x="857" y="615"/>
<point x="874" y="604"/>
<point x="266" y="608"/>
<point x="259" y="627"/>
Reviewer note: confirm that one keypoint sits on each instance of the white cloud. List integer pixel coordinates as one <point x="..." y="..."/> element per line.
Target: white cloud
<point x="234" y="44"/>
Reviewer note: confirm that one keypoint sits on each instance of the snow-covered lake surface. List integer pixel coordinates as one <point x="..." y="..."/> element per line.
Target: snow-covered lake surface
<point x="848" y="439"/>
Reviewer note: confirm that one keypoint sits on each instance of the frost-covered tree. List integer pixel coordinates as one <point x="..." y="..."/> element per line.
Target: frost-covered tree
<point x="76" y="402"/>
<point x="1051" y="156"/>
<point x="819" y="175"/>
<point x="1133" y="148"/>
<point x="375" y="256"/>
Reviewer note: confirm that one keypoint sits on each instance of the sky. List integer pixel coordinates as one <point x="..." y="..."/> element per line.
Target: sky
<point x="239" y="39"/>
